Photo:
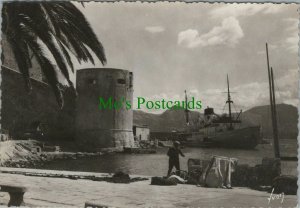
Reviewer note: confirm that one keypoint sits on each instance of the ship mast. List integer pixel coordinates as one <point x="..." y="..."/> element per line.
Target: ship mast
<point x="275" y="113"/>
<point x="229" y="101"/>
<point x="273" y="106"/>
<point x="186" y="109"/>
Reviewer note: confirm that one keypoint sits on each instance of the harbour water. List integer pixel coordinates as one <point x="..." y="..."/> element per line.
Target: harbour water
<point x="157" y="164"/>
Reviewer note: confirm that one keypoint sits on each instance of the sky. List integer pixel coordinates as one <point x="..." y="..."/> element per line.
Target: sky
<point x="172" y="47"/>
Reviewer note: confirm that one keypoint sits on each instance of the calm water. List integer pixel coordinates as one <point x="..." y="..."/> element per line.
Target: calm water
<point x="157" y="164"/>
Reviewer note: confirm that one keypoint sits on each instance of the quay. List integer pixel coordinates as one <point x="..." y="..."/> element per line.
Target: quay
<point x="65" y="192"/>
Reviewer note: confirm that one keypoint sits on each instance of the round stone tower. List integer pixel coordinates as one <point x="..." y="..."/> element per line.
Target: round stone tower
<point x="100" y="123"/>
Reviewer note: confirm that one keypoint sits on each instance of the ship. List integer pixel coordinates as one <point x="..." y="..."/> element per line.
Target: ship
<point x="224" y="130"/>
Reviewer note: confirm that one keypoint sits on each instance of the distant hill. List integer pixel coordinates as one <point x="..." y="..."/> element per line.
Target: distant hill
<point x="287" y="116"/>
<point x="167" y="121"/>
<point x="175" y="120"/>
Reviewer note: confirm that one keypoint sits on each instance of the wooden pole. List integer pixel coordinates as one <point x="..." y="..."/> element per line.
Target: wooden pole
<point x="229" y="103"/>
<point x="276" y="138"/>
<point x="276" y="152"/>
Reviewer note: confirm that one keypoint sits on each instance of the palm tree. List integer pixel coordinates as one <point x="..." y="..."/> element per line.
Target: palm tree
<point x="31" y="26"/>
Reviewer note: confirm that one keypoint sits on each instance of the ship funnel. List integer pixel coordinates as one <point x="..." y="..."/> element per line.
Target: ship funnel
<point x="209" y="111"/>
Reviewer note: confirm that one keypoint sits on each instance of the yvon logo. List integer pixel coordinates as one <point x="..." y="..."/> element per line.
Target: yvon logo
<point x="276" y="197"/>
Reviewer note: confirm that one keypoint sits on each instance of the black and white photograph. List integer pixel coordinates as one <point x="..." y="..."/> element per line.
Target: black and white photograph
<point x="137" y="104"/>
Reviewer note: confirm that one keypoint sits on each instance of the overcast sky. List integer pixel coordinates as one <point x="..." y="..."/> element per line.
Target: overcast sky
<point x="171" y="47"/>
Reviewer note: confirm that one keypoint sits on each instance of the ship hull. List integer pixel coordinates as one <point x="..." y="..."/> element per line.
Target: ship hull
<point x="243" y="138"/>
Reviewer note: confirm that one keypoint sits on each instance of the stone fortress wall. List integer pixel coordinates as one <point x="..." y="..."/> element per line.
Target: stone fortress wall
<point x="23" y="112"/>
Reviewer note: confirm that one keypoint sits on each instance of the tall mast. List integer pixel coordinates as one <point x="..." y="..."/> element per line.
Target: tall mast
<point x="275" y="138"/>
<point x="186" y="109"/>
<point x="229" y="101"/>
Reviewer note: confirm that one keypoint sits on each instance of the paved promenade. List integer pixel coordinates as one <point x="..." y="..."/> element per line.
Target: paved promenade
<point x="63" y="192"/>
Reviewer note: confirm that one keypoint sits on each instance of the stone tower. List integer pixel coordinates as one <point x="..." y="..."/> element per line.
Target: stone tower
<point x="103" y="128"/>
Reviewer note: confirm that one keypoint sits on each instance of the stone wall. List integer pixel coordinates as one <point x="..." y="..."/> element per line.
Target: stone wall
<point x="8" y="60"/>
<point x="21" y="110"/>
<point x="25" y="112"/>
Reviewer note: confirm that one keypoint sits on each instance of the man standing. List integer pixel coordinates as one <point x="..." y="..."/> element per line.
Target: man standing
<point x="173" y="154"/>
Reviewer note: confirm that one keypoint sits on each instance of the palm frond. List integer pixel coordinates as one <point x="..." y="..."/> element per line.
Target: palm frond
<point x="73" y="20"/>
<point x="46" y="65"/>
<point x="66" y="55"/>
<point x="61" y="27"/>
<point x="18" y="46"/>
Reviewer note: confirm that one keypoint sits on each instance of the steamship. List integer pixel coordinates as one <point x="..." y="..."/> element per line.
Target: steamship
<point x="223" y="130"/>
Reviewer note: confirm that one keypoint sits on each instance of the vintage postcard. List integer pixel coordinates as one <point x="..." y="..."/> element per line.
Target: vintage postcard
<point x="165" y="104"/>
